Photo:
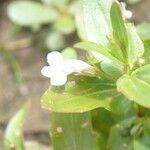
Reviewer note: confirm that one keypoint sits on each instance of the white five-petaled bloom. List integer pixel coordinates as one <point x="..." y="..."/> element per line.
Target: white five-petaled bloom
<point x="59" y="68"/>
<point x="127" y="13"/>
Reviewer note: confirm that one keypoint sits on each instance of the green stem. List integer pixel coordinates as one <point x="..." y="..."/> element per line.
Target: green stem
<point x="14" y="65"/>
<point x="126" y="69"/>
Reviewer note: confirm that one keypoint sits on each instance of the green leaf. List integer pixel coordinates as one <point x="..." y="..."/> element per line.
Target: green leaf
<point x="147" y="47"/>
<point x="97" y="20"/>
<point x="13" y="138"/>
<point x="137" y="86"/>
<point x="112" y="69"/>
<point x="135" y="90"/>
<point x="30" y="13"/>
<point x="84" y="94"/>
<point x="146" y="55"/>
<point x="69" y="53"/>
<point x="146" y="125"/>
<point x="102" y="122"/>
<point x="72" y="131"/>
<point x="143" y="73"/>
<point x="90" y="46"/>
<point x="120" y="138"/>
<point x="135" y="45"/>
<point x="77" y="10"/>
<point x="116" y="51"/>
<point x="120" y="105"/>
<point x="119" y="29"/>
<point x="142" y="143"/>
<point x="65" y="25"/>
<point x="143" y="30"/>
<point x="52" y="40"/>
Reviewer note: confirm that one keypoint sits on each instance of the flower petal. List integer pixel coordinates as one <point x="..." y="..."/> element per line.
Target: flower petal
<point x="127" y="13"/>
<point x="47" y="71"/>
<point x="55" y="59"/>
<point x="59" y="78"/>
<point x="73" y="65"/>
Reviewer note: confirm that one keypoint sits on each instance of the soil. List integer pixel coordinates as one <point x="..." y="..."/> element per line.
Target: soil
<point x="31" y="61"/>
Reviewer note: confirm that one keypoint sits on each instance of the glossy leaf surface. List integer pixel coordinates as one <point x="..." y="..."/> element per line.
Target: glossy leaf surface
<point x="86" y="94"/>
<point x="97" y="20"/>
<point x="118" y="25"/>
<point x="136" y="86"/>
<point x="90" y="46"/>
<point x="135" y="45"/>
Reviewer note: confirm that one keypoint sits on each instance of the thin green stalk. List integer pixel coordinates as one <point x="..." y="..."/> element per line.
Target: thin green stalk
<point x="14" y="65"/>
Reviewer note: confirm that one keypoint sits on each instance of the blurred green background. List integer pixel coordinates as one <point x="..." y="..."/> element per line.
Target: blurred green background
<point x="28" y="31"/>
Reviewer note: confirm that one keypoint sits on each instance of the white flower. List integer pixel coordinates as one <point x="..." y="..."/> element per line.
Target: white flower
<point x="127" y="13"/>
<point x="58" y="68"/>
